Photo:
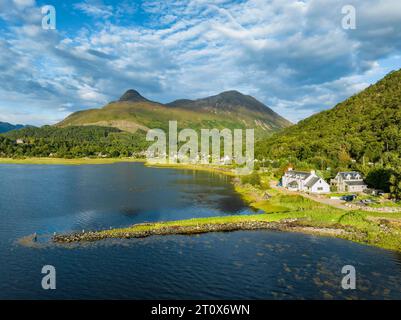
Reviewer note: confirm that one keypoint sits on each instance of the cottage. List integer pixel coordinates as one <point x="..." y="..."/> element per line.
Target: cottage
<point x="304" y="181"/>
<point x="351" y="181"/>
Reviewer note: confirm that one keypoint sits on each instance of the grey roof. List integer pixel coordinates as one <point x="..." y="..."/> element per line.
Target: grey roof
<point x="302" y="174"/>
<point x="312" y="181"/>
<point x="353" y="175"/>
<point x="355" y="183"/>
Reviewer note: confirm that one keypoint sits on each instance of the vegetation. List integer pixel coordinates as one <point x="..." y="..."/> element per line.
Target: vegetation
<point x="282" y="211"/>
<point x="361" y="133"/>
<point x="395" y="185"/>
<point x="71" y="142"/>
<point x="219" y="169"/>
<point x="252" y="179"/>
<point x="5" y="127"/>
<point x="63" y="161"/>
<point x="231" y="110"/>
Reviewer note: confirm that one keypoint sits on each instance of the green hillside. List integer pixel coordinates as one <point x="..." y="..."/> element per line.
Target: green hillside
<point x="363" y="132"/>
<point x="227" y="110"/>
<point x="71" y="142"/>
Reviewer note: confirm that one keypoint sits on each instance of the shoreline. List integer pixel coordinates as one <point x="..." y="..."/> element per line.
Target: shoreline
<point x="197" y="167"/>
<point x="64" y="161"/>
<point x="282" y="212"/>
<point x="195" y="226"/>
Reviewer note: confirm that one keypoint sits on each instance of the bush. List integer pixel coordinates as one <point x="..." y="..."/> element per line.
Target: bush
<point x="252" y="179"/>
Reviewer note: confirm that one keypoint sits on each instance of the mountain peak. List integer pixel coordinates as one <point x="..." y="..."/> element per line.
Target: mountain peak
<point x="231" y="93"/>
<point x="132" y="96"/>
<point x="232" y="102"/>
<point x="233" y="99"/>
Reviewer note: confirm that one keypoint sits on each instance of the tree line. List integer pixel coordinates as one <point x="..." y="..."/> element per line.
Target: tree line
<point x="71" y="142"/>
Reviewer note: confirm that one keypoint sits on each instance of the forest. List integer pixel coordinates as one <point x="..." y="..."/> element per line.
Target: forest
<point x="362" y="133"/>
<point x="71" y="142"/>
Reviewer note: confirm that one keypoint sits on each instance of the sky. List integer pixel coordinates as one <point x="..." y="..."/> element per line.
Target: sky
<point x="294" y="56"/>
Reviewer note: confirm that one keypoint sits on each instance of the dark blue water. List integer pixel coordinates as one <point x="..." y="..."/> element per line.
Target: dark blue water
<point x="238" y="265"/>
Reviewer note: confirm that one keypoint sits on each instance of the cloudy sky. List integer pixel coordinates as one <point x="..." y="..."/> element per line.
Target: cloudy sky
<point x="294" y="56"/>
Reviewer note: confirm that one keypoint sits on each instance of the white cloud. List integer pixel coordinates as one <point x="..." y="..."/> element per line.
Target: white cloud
<point x="24" y="3"/>
<point x="292" y="55"/>
<point x="95" y="9"/>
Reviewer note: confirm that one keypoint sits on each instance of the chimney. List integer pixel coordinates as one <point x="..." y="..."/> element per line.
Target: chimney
<point x="313" y="172"/>
<point x="289" y="169"/>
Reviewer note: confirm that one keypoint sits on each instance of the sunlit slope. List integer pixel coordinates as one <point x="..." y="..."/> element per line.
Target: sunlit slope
<point x="131" y="113"/>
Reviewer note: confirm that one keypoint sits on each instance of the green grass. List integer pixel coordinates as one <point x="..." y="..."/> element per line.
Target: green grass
<point x="226" y="170"/>
<point x="386" y="203"/>
<point x="372" y="228"/>
<point x="186" y="223"/>
<point x="380" y="229"/>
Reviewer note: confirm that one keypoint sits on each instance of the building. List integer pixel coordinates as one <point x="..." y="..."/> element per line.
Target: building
<point x="351" y="181"/>
<point x="304" y="181"/>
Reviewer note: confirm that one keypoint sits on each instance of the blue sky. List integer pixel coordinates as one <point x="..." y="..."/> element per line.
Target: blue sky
<point x="294" y="56"/>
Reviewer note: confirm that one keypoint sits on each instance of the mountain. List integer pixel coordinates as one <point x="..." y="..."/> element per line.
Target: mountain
<point x="5" y="127"/>
<point x="133" y="96"/>
<point x="229" y="109"/>
<point x="225" y="101"/>
<point x="364" y="129"/>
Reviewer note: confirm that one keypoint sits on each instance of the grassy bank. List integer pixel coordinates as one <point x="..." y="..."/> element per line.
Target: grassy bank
<point x="226" y="170"/>
<point x="61" y="161"/>
<point x="282" y="212"/>
<point x="380" y="229"/>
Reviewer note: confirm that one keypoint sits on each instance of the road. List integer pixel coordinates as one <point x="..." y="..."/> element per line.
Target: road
<point x="339" y="204"/>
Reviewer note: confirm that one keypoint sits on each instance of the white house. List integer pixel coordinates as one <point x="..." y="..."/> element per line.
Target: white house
<point x="351" y="181"/>
<point x="304" y="181"/>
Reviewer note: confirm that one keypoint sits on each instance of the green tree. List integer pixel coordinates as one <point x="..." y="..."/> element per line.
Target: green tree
<point x="379" y="178"/>
<point x="395" y="186"/>
<point x="252" y="179"/>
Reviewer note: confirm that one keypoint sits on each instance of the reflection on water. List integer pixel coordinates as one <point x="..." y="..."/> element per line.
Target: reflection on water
<point x="65" y="198"/>
<point x="238" y="265"/>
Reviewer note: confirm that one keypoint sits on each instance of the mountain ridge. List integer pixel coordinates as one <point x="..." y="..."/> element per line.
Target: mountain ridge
<point x="231" y="98"/>
<point x="6" y="127"/>
<point x="229" y="109"/>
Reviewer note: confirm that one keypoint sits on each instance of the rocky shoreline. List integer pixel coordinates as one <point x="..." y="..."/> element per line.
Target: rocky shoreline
<point x="284" y="225"/>
<point x="168" y="230"/>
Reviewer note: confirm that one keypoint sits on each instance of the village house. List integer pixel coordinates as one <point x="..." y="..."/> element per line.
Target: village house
<point x="304" y="181"/>
<point x="351" y="181"/>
